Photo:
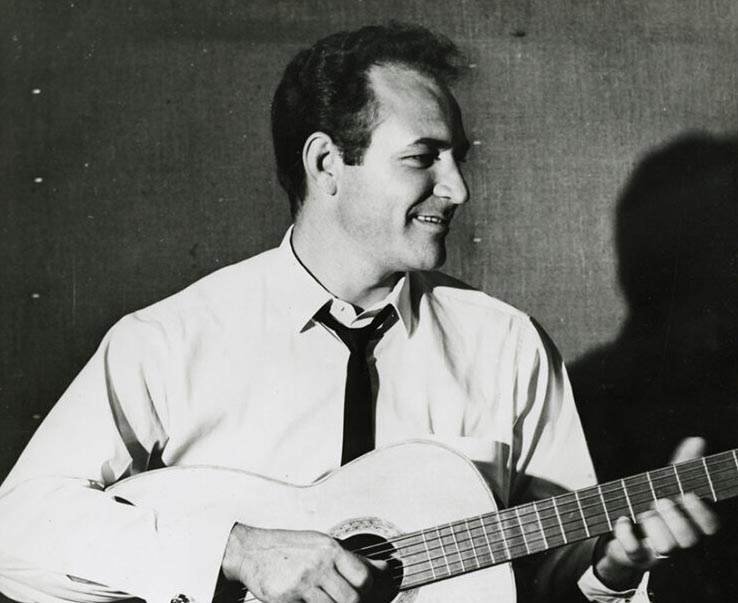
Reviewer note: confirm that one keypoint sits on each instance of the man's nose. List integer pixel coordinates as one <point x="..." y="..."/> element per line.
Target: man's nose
<point x="450" y="183"/>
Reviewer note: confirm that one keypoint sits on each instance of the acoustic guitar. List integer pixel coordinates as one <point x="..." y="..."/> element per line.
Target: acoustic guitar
<point x="427" y="510"/>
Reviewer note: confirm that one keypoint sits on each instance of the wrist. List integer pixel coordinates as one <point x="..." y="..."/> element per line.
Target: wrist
<point x="613" y="575"/>
<point x="234" y="551"/>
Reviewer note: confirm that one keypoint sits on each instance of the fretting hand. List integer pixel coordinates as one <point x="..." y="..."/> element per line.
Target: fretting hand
<point x="669" y="526"/>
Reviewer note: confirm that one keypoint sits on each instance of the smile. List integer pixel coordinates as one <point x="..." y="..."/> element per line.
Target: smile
<point x="432" y="220"/>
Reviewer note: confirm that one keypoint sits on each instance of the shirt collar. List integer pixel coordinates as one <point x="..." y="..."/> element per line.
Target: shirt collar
<point x="304" y="295"/>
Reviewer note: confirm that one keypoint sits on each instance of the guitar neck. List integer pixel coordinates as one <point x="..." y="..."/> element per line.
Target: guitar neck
<point x="477" y="542"/>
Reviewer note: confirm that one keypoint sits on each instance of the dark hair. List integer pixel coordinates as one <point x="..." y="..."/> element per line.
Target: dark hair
<point x="326" y="88"/>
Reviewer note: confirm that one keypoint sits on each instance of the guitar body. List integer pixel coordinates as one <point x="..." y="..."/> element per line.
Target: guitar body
<point x="384" y="494"/>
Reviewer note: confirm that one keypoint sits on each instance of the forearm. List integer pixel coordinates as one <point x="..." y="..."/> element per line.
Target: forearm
<point x="553" y="576"/>
<point x="71" y="541"/>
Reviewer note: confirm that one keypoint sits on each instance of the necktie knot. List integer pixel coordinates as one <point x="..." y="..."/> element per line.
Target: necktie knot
<point x="355" y="339"/>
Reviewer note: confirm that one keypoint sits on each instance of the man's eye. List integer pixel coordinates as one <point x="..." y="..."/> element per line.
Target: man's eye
<point x="423" y="160"/>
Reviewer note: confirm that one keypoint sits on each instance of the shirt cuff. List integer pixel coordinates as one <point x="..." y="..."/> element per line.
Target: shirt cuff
<point x="595" y="590"/>
<point x="193" y="556"/>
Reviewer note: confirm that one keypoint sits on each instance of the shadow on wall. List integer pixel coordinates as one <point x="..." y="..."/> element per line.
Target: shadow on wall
<point x="673" y="370"/>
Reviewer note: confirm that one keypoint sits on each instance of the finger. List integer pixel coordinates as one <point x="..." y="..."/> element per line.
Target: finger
<point x="378" y="564"/>
<point x="353" y="569"/>
<point x="683" y="531"/>
<point x="338" y="588"/>
<point x="657" y="533"/>
<point x="701" y="514"/>
<point x="317" y="595"/>
<point x="624" y="533"/>
<point x="688" y="449"/>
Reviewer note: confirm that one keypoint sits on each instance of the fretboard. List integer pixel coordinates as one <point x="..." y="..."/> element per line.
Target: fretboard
<point x="482" y="541"/>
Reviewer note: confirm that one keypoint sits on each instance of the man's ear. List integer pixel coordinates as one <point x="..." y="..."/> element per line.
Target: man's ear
<point x="323" y="162"/>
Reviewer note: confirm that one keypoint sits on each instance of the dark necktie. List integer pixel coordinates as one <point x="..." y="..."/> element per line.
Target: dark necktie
<point x="358" y="408"/>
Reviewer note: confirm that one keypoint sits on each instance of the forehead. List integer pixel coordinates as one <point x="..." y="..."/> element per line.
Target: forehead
<point x="415" y="105"/>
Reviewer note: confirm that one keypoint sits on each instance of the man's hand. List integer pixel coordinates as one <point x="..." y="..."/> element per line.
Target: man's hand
<point x="665" y="529"/>
<point x="283" y="566"/>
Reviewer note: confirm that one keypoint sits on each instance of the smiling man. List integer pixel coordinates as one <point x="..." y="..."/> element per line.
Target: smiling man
<point x="362" y="226"/>
<point x="256" y="367"/>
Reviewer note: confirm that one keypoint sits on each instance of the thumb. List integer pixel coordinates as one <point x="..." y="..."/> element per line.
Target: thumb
<point x="688" y="449"/>
<point x="378" y="564"/>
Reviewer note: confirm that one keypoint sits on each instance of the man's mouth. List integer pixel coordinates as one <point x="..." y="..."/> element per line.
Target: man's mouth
<point x="432" y="219"/>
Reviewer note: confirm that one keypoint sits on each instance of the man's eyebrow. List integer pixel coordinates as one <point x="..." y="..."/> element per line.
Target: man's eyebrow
<point x="438" y="143"/>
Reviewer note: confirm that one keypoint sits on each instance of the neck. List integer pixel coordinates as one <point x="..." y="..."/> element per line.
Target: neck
<point x="336" y="263"/>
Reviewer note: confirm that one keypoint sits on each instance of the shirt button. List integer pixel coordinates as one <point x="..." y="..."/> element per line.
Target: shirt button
<point x="180" y="598"/>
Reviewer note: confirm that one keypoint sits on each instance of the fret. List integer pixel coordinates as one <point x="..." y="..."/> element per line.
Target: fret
<point x="427" y="552"/>
<point x="591" y="502"/>
<point x="456" y="545"/>
<point x="514" y="537"/>
<point x="662" y="483"/>
<point x="709" y="480"/>
<point x="571" y="517"/>
<point x="540" y="525"/>
<point x="558" y="518"/>
<point x="451" y="549"/>
<point x="735" y="459"/>
<point x="479" y="542"/>
<point x="691" y="477"/>
<point x="470" y="540"/>
<point x="522" y="530"/>
<point x="604" y="506"/>
<point x="627" y="499"/>
<point x="548" y="532"/>
<point x="443" y="552"/>
<point x="724" y="475"/>
<point x="640" y="492"/>
<point x="678" y="481"/>
<point x="503" y="537"/>
<point x="486" y="539"/>
<point x="530" y="528"/>
<point x="581" y="512"/>
<point x="413" y="552"/>
<point x="616" y="502"/>
<point x="650" y="486"/>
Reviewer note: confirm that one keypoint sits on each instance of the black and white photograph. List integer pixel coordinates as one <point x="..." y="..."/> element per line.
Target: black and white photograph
<point x="365" y="301"/>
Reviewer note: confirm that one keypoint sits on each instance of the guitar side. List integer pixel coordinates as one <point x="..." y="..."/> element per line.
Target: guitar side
<point x="389" y="492"/>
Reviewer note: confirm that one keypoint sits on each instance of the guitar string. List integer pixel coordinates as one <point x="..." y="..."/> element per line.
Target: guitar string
<point x="524" y="548"/>
<point x="459" y="567"/>
<point x="535" y="536"/>
<point x="518" y="548"/>
<point x="667" y="475"/>
<point x="566" y="507"/>
<point x="408" y="575"/>
<point x="589" y="500"/>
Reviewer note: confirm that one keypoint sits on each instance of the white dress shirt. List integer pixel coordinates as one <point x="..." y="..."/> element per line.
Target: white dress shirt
<point x="233" y="371"/>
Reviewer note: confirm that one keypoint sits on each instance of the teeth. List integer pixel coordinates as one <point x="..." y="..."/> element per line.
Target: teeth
<point x="431" y="219"/>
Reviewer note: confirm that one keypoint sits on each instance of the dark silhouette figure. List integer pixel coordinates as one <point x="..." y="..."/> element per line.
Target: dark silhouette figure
<point x="673" y="370"/>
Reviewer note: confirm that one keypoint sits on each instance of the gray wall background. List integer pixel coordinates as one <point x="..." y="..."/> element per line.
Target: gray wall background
<point x="135" y="157"/>
<point x="135" y="153"/>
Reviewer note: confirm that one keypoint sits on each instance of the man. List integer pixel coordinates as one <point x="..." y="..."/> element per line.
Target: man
<point x="247" y="368"/>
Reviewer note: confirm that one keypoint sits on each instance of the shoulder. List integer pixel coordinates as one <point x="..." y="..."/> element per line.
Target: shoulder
<point x="459" y="299"/>
<point x="456" y="306"/>
<point x="211" y="302"/>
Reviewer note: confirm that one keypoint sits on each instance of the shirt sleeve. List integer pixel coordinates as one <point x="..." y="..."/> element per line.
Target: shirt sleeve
<point x="550" y="456"/>
<point x="598" y="592"/>
<point x="65" y="538"/>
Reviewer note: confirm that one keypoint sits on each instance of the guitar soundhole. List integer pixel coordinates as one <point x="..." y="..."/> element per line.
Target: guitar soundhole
<point x="386" y="585"/>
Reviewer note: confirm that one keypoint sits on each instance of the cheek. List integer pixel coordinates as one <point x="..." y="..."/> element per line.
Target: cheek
<point x="376" y="205"/>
